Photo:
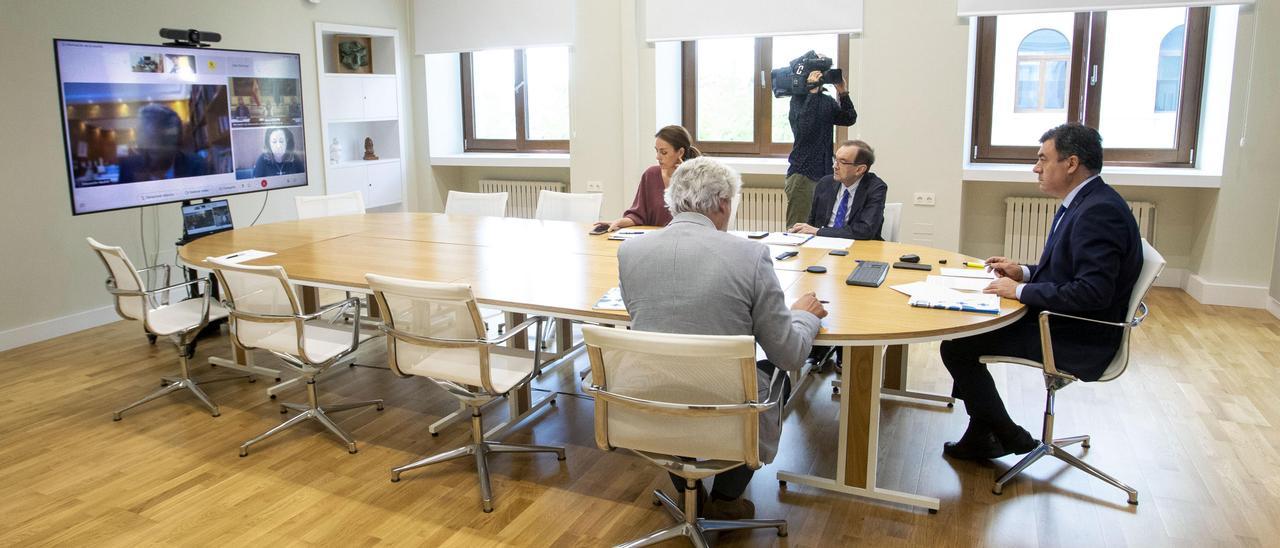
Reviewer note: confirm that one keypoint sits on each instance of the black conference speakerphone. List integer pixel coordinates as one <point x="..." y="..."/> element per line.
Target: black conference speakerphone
<point x="868" y="274"/>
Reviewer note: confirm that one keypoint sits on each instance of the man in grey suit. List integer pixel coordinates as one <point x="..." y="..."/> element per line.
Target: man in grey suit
<point x="694" y="278"/>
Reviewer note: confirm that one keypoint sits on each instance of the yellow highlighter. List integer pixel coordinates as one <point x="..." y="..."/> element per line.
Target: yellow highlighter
<point x="972" y="264"/>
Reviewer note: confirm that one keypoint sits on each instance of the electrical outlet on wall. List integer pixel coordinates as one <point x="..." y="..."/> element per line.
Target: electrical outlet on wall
<point x="595" y="186"/>
<point x="923" y="198"/>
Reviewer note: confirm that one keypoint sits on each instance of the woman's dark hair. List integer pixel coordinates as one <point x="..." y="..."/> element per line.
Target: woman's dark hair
<point x="1077" y="140"/>
<point x="678" y="137"/>
<point x="288" y="139"/>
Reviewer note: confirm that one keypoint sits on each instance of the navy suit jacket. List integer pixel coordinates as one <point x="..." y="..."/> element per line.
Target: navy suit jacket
<point x="1088" y="268"/>
<point x="866" y="209"/>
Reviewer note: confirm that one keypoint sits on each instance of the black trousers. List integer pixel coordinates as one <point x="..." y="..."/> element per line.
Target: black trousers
<point x="732" y="483"/>
<point x="973" y="382"/>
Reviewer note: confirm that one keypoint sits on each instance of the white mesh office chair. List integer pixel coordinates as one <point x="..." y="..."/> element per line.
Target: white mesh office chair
<point x="265" y="313"/>
<point x="673" y="399"/>
<point x="892" y="222"/>
<point x="488" y="204"/>
<point x="434" y="331"/>
<point x="564" y="206"/>
<point x="180" y="321"/>
<point x="328" y="205"/>
<point x="1055" y="379"/>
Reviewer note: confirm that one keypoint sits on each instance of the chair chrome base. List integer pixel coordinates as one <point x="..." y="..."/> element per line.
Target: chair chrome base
<point x="312" y="410"/>
<point x="695" y="529"/>
<point x="169" y="385"/>
<point x="480" y="449"/>
<point x="1057" y="449"/>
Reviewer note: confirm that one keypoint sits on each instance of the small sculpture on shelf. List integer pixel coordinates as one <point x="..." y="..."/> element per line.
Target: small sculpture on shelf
<point x="368" y="149"/>
<point x="335" y="152"/>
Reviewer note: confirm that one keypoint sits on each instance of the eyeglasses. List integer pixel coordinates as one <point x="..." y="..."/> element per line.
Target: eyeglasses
<point x="837" y="161"/>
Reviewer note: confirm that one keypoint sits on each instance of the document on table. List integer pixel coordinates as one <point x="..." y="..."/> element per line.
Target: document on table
<point x="932" y="296"/>
<point x="785" y="238"/>
<point x="626" y="234"/>
<point x="980" y="273"/>
<point x="824" y="242"/>
<point x="612" y="300"/>
<point x="962" y="284"/>
<point x="246" y="255"/>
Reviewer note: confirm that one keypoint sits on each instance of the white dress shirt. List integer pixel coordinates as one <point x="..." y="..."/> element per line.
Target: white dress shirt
<point x="839" y="195"/>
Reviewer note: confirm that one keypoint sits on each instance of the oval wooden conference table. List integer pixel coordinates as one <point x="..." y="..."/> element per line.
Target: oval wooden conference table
<point x="555" y="268"/>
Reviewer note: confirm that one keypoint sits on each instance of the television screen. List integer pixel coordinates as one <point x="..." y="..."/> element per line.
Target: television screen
<point x="147" y="125"/>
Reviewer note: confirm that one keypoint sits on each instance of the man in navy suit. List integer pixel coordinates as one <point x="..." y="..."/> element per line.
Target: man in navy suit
<point x="1088" y="268"/>
<point x="850" y="203"/>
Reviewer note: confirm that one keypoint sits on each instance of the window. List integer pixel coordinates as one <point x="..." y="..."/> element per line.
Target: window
<point x="728" y="105"/>
<point x="1035" y="71"/>
<point x="516" y="100"/>
<point x="1169" y="70"/>
<point x="1042" y="71"/>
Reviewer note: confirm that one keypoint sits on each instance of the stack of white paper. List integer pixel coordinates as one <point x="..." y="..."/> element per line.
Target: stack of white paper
<point x="824" y="242"/>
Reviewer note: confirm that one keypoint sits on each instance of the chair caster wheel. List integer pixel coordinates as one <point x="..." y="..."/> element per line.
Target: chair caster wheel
<point x="253" y="380"/>
<point x="560" y="457"/>
<point x="435" y="434"/>
<point x="115" y="417"/>
<point x="782" y="533"/>
<point x="277" y="379"/>
<point x="996" y="491"/>
<point x="217" y="413"/>
<point x="552" y="402"/>
<point x="379" y="407"/>
<point x="273" y="396"/>
<point x="1133" y="502"/>
<point x="395" y="479"/>
<point x="352" y="451"/>
<point x="835" y="391"/>
<point x="283" y="409"/>
<point x="951" y="405"/>
<point x="933" y="510"/>
<point x="151" y="339"/>
<point x="782" y="484"/>
<point x="244" y="452"/>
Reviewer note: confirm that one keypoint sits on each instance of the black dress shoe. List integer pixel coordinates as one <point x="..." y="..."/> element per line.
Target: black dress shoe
<point x="976" y="447"/>
<point x="1019" y="442"/>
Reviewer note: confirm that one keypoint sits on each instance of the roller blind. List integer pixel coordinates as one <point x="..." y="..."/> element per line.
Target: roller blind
<point x="667" y="20"/>
<point x="449" y="26"/>
<point x="972" y="8"/>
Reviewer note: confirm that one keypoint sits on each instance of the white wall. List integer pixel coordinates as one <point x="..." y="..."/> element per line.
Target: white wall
<point x="48" y="271"/>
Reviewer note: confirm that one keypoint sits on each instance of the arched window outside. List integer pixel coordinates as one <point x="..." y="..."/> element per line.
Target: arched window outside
<point x="1169" y="70"/>
<point x="1043" y="58"/>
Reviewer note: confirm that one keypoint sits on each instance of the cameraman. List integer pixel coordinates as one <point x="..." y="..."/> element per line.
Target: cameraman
<point x="812" y="116"/>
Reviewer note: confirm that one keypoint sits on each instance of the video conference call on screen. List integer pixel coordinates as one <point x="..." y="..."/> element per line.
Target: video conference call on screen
<point x="148" y="125"/>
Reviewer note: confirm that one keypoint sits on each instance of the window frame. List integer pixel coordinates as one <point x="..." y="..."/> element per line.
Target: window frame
<point x="762" y="143"/>
<point x="1084" y="97"/>
<point x="521" y="143"/>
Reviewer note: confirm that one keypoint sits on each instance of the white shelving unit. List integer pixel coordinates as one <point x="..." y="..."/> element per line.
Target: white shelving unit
<point x="356" y="106"/>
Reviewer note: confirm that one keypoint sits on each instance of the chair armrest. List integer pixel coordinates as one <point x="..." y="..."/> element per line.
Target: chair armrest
<point x="525" y="325"/>
<point x="1046" y="341"/>
<point x="329" y="308"/>
<point x="112" y="289"/>
<point x="682" y="409"/>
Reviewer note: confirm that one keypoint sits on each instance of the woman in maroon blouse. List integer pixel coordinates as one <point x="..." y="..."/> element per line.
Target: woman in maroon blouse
<point x="672" y="145"/>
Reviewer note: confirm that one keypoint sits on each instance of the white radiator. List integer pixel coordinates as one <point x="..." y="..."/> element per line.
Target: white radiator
<point x="762" y="209"/>
<point x="522" y="196"/>
<point x="1027" y="220"/>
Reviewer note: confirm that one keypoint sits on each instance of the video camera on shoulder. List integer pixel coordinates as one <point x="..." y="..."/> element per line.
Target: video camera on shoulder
<point x="793" y="79"/>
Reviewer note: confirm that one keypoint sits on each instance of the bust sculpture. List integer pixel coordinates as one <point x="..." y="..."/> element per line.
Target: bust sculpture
<point x="368" y="149"/>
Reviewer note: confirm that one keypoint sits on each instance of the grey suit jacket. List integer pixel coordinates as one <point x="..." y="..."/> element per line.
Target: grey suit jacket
<point x="693" y="279"/>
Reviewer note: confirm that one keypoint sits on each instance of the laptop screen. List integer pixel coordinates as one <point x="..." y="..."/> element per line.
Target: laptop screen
<point x="207" y="218"/>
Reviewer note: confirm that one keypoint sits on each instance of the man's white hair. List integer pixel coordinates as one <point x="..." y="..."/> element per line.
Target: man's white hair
<point x="700" y="184"/>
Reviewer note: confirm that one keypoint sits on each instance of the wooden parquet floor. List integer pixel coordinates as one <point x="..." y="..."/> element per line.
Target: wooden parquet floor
<point x="1190" y="425"/>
